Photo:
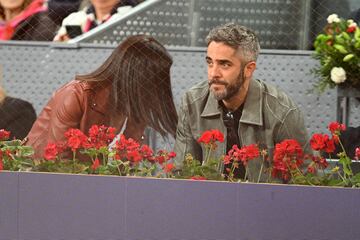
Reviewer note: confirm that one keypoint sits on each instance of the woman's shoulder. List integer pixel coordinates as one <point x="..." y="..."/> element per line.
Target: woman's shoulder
<point x="81" y="86"/>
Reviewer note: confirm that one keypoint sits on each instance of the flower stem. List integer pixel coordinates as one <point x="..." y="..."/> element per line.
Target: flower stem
<point x="261" y="169"/>
<point x="73" y="161"/>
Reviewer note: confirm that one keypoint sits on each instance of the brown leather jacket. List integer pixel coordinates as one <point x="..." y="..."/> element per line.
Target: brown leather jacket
<point x="75" y="105"/>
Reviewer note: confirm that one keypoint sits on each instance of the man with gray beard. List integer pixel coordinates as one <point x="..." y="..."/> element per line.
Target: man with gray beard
<point x="246" y="110"/>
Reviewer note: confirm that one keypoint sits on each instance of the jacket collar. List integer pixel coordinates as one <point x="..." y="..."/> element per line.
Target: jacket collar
<point x="252" y="112"/>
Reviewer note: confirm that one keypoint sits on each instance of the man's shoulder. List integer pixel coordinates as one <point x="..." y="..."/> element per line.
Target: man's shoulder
<point x="198" y="92"/>
<point x="276" y="95"/>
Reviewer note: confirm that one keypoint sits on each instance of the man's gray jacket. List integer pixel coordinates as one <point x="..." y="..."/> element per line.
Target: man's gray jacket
<point x="269" y="116"/>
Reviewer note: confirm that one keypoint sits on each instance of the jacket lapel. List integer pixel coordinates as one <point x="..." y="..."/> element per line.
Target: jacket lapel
<point x="252" y="113"/>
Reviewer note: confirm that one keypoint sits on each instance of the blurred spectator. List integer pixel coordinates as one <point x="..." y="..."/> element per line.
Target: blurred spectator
<point x="350" y="139"/>
<point x="98" y="12"/>
<point x="25" y="20"/>
<point x="59" y="9"/>
<point x="17" y="116"/>
<point x="355" y="15"/>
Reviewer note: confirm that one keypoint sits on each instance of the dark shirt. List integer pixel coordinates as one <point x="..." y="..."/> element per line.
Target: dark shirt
<point x="17" y="116"/>
<point x="233" y="137"/>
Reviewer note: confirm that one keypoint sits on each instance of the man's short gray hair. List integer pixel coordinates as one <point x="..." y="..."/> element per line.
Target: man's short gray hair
<point x="237" y="37"/>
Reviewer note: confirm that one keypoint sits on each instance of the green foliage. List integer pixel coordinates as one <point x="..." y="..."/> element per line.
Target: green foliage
<point x="338" y="46"/>
<point x="193" y="168"/>
<point x="16" y="157"/>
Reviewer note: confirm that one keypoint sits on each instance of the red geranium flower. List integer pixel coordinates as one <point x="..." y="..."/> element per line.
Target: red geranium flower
<point x="4" y="135"/>
<point x="330" y="146"/>
<point x="335" y="128"/>
<point x="51" y="151"/>
<point x="75" y="138"/>
<point x="357" y="153"/>
<point x="95" y="164"/>
<point x="160" y="159"/>
<point x="168" y="167"/>
<point x="320" y="162"/>
<point x="288" y="155"/>
<point x="311" y="169"/>
<point x="146" y="152"/>
<point x="318" y="141"/>
<point x="100" y="136"/>
<point x="322" y="142"/>
<point x="351" y="29"/>
<point x="243" y="154"/>
<point x="210" y="138"/>
<point x="134" y="156"/>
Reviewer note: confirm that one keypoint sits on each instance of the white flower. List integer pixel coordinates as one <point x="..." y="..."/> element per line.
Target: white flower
<point x="333" y="18"/>
<point x="351" y="23"/>
<point x="338" y="75"/>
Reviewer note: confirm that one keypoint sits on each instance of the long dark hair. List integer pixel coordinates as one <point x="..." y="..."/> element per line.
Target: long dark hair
<point x="139" y="71"/>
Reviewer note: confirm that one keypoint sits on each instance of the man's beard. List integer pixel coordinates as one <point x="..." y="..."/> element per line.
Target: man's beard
<point x="230" y="89"/>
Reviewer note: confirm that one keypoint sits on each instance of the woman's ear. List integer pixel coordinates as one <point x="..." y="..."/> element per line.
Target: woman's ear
<point x="249" y="69"/>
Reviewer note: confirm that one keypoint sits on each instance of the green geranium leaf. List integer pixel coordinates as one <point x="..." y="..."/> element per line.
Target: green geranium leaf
<point x="346" y="35"/>
<point x="348" y="57"/>
<point x="357" y="34"/>
<point x="340" y="48"/>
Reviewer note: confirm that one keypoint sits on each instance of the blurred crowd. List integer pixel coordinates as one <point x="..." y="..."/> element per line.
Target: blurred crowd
<point x="59" y="20"/>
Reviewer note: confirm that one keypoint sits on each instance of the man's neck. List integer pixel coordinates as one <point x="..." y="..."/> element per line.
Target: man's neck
<point x="236" y="101"/>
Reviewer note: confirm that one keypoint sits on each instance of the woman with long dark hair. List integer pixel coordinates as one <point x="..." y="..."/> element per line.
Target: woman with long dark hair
<point x="129" y="91"/>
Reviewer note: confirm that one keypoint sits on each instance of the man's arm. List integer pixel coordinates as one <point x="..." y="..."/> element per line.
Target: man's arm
<point x="293" y="127"/>
<point x="185" y="142"/>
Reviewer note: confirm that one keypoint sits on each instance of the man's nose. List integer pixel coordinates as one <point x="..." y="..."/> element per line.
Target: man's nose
<point x="214" y="72"/>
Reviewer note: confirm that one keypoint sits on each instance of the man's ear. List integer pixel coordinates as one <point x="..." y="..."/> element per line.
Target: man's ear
<point x="249" y="69"/>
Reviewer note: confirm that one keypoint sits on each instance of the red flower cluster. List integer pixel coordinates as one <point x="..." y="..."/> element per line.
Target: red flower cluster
<point x="322" y="142"/>
<point x="51" y="151"/>
<point x="351" y="29"/>
<point x="100" y="136"/>
<point x="76" y="139"/>
<point x="210" y="137"/>
<point x="131" y="150"/>
<point x="335" y="128"/>
<point x="163" y="156"/>
<point x="4" y="135"/>
<point x="357" y="153"/>
<point x="243" y="154"/>
<point x="168" y="167"/>
<point x="288" y="156"/>
<point x="317" y="163"/>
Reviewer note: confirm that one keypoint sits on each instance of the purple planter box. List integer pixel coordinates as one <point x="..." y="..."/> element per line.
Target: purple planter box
<point x="61" y="206"/>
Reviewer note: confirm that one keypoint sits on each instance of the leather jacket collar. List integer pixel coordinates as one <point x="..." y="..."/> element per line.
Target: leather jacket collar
<point x="252" y="113"/>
